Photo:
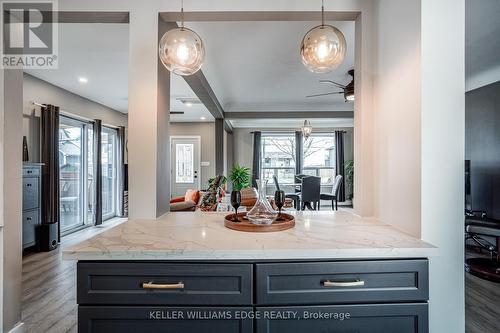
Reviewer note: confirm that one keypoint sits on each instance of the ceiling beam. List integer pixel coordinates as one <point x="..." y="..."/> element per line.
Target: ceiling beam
<point x="289" y="115"/>
<point x="202" y="89"/>
<point x="257" y="16"/>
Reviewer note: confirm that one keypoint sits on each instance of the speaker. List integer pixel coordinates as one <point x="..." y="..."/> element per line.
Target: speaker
<point x="48" y="236"/>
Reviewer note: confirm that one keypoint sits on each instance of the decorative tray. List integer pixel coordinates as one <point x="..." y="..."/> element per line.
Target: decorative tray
<point x="283" y="222"/>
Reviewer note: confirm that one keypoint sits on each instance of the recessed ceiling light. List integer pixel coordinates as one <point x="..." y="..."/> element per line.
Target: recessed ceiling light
<point x="189" y="101"/>
<point x="83" y="80"/>
<point x="203" y="118"/>
<point x="188" y="104"/>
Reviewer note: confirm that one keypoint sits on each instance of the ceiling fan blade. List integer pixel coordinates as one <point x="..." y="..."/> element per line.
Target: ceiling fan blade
<point x="176" y="112"/>
<point x="334" y="83"/>
<point x="332" y="93"/>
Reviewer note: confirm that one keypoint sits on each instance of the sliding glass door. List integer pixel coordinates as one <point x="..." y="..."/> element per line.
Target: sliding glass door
<point x="75" y="184"/>
<point x="109" y="162"/>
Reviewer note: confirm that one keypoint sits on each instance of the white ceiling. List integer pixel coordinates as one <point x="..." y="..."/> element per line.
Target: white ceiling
<point x="482" y="42"/>
<point x="251" y="66"/>
<point x="98" y="52"/>
<point x="291" y="123"/>
<point x="256" y="66"/>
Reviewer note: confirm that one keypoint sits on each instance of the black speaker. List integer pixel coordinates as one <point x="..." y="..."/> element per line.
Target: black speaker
<point x="48" y="236"/>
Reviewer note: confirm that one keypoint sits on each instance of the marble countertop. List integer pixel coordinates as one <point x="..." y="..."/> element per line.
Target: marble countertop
<point x="202" y="236"/>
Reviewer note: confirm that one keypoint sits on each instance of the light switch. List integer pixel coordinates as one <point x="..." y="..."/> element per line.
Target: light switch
<point x="205" y="163"/>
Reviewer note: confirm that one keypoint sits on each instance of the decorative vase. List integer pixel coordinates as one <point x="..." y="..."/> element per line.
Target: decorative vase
<point x="262" y="212"/>
<point x="26" y="156"/>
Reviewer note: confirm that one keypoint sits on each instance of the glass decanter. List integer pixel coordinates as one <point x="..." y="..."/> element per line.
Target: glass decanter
<point x="262" y="212"/>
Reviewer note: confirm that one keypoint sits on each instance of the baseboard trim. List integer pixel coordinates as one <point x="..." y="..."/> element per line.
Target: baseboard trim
<point x="19" y="328"/>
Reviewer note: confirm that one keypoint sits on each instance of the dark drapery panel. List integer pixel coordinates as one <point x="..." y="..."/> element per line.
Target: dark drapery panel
<point x="257" y="155"/>
<point x="339" y="162"/>
<point x="121" y="169"/>
<point x="299" y="152"/>
<point x="98" y="171"/>
<point x="50" y="169"/>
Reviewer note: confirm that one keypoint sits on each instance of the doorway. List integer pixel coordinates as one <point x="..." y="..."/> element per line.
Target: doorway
<point x="185" y="164"/>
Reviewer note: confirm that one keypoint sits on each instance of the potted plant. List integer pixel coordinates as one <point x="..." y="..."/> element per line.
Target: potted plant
<point x="241" y="178"/>
<point x="349" y="177"/>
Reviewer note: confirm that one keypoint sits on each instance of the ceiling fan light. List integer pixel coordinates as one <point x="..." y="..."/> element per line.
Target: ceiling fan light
<point x="182" y="51"/>
<point x="349" y="96"/>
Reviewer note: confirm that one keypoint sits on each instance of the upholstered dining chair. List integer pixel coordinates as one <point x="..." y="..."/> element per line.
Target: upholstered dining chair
<point x="334" y="195"/>
<point x="294" y="196"/>
<point x="310" y="195"/>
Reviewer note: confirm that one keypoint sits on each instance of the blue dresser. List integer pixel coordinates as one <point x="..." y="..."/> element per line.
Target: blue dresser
<point x="32" y="186"/>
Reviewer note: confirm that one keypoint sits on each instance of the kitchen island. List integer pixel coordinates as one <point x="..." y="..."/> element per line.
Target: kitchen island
<point x="186" y="272"/>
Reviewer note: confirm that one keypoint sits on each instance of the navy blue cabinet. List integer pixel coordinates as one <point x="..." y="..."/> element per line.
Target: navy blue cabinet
<point x="362" y="296"/>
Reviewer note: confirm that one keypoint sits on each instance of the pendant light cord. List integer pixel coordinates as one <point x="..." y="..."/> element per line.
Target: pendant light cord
<point x="182" y="14"/>
<point x="322" y="13"/>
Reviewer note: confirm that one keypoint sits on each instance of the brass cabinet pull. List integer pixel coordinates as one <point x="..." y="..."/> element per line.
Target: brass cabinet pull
<point x="151" y="285"/>
<point x="357" y="283"/>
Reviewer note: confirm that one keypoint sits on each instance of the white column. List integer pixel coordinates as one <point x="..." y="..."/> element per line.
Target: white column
<point x="148" y="146"/>
<point x="443" y="118"/>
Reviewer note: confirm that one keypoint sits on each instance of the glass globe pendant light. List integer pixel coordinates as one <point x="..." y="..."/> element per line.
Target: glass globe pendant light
<point x="323" y="47"/>
<point x="181" y="49"/>
<point x="307" y="129"/>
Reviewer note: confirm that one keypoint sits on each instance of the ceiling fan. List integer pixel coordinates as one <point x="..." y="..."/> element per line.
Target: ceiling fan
<point x="347" y="90"/>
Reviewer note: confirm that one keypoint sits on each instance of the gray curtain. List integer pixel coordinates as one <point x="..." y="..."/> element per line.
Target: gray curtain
<point x="299" y="152"/>
<point x="50" y="169"/>
<point x="339" y="162"/>
<point x="98" y="171"/>
<point x="257" y="156"/>
<point x="121" y="170"/>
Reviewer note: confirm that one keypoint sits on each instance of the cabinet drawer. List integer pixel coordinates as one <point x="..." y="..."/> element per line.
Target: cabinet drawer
<point x="342" y="282"/>
<point x="116" y="283"/>
<point x="119" y="319"/>
<point x="31" y="171"/>
<point x="374" y="318"/>
<point x="30" y="222"/>
<point x="30" y="192"/>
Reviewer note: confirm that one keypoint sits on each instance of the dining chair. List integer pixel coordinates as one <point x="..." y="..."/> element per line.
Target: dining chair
<point x="334" y="195"/>
<point x="294" y="196"/>
<point x="310" y="195"/>
<point x="297" y="179"/>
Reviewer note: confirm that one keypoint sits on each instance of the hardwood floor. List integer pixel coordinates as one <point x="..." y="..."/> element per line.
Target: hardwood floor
<point x="49" y="286"/>
<point x="482" y="302"/>
<point x="49" y="292"/>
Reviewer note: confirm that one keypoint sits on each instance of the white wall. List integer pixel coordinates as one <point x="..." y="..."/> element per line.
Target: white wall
<point x="36" y="90"/>
<point x="442" y="186"/>
<point x="207" y="133"/>
<point x="397" y="114"/>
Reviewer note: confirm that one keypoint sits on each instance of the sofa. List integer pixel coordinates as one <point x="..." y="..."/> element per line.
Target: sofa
<point x="186" y="203"/>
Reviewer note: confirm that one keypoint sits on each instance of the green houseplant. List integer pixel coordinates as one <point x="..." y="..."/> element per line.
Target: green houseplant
<point x="240" y="176"/>
<point x="349" y="176"/>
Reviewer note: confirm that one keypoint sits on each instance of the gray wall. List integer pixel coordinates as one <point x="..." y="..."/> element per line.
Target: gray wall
<point x="482" y="147"/>
<point x="36" y="90"/>
<point x="207" y="133"/>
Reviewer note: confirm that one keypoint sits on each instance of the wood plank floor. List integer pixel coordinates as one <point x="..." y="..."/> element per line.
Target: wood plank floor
<point x="482" y="302"/>
<point x="49" y="292"/>
<point x="49" y="286"/>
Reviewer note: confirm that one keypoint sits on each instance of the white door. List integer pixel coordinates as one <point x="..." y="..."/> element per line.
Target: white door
<point x="185" y="159"/>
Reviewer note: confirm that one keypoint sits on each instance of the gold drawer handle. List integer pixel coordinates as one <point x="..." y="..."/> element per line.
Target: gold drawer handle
<point x="357" y="283"/>
<point x="151" y="285"/>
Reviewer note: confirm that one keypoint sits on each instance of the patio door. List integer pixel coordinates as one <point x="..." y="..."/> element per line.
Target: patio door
<point x="76" y="174"/>
<point x="185" y="168"/>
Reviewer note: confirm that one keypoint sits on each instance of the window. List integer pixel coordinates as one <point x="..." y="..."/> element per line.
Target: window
<point x="109" y="137"/>
<point x="184" y="164"/>
<point x="278" y="157"/>
<point x="319" y="157"/>
<point x="75" y="183"/>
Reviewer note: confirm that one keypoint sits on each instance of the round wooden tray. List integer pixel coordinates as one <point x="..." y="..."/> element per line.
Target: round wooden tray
<point x="285" y="221"/>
